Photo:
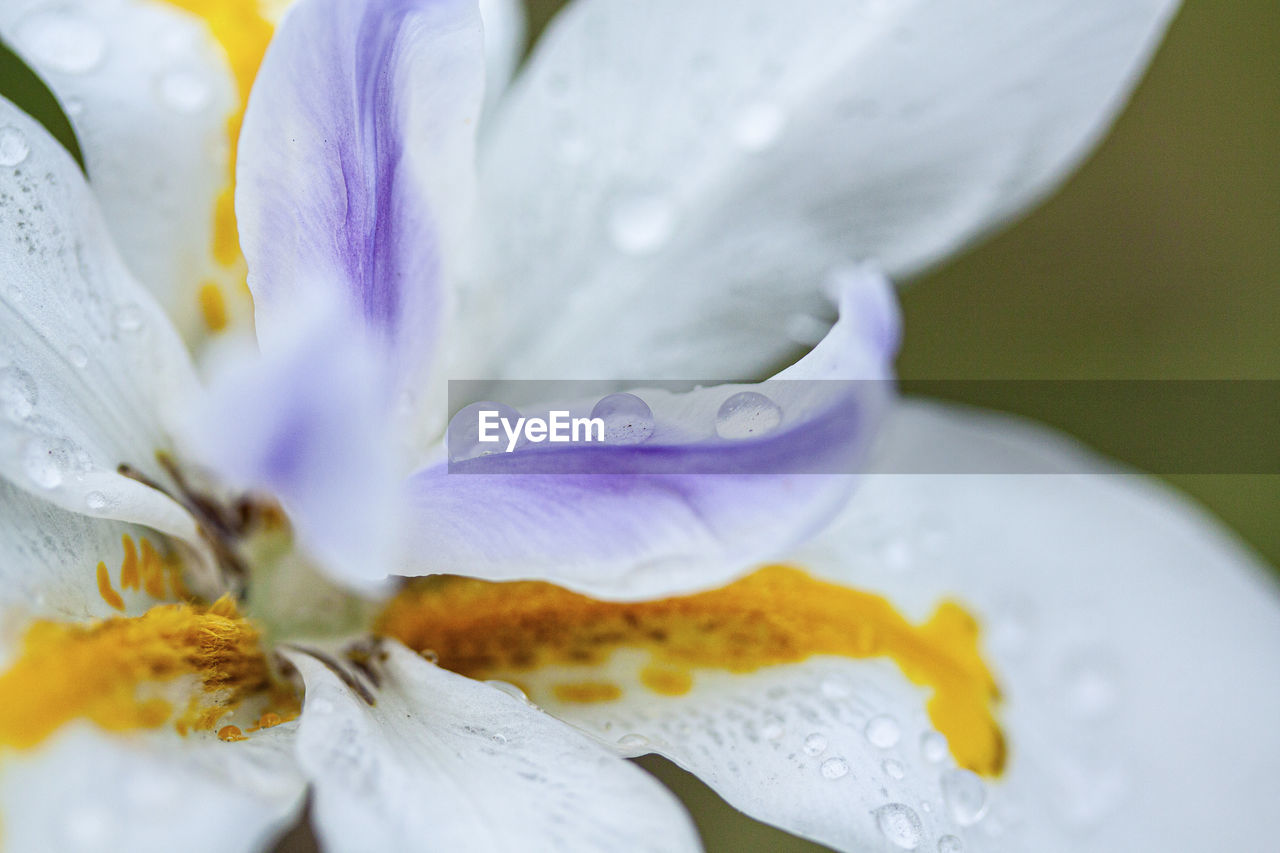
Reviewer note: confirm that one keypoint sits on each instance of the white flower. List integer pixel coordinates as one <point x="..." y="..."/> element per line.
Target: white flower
<point x="663" y="186"/>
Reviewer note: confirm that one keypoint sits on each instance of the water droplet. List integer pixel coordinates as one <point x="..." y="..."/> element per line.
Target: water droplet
<point x="834" y="768"/>
<point x="627" y="418"/>
<point x="86" y="827"/>
<point x="835" y="688"/>
<point x="429" y="655"/>
<point x="46" y="463"/>
<point x="1090" y="688"/>
<point x="318" y="706"/>
<point x="966" y="796"/>
<point x="641" y="224"/>
<point x="74" y="107"/>
<point x="896" y="555"/>
<point x="933" y="746"/>
<point x="77" y="355"/>
<point x="17" y="393"/>
<point x="13" y="146"/>
<point x="883" y="731"/>
<point x="129" y="318"/>
<point x="747" y="414"/>
<point x="950" y="844"/>
<point x="505" y="686"/>
<point x="499" y="738"/>
<point x="893" y="769"/>
<point x="62" y="41"/>
<point x="901" y="825"/>
<point x="758" y="126"/>
<point x="815" y="744"/>
<point x="97" y="501"/>
<point x="806" y="329"/>
<point x="773" y="730"/>
<point x="184" y="91"/>
<point x="633" y="741"/>
<point x="463" y="434"/>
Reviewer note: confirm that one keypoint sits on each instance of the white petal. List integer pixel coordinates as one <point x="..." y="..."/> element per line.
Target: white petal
<point x="1134" y="643"/>
<point x="149" y="93"/>
<point x="89" y="364"/>
<point x="446" y="763"/>
<point x="504" y="35"/>
<point x="89" y="791"/>
<point x="667" y="183"/>
<point x="48" y="562"/>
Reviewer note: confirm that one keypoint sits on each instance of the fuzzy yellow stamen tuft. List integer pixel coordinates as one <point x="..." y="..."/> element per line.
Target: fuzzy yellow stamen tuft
<point x="777" y="615"/>
<point x="110" y="672"/>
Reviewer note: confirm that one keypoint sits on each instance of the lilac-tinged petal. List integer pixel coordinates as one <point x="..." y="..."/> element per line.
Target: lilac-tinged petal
<point x="355" y="164"/>
<point x="685" y="509"/>
<point x="306" y="425"/>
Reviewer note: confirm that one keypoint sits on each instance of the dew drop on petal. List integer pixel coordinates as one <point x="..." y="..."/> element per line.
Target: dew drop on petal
<point x="773" y="730"/>
<point x="463" y="434"/>
<point x="46" y="463"/>
<point x="900" y="825"/>
<point x="505" y="686"/>
<point x="627" y="418"/>
<point x="815" y="744"/>
<point x="834" y="768"/>
<point x="950" y="844"/>
<point x="13" y="146"/>
<point x="128" y="318"/>
<point x="77" y="355"/>
<point x="758" y="126"/>
<point x="882" y="731"/>
<point x="62" y="41"/>
<point x="86" y="827"/>
<point x="747" y="414"/>
<point x="96" y="501"/>
<point x="183" y="91"/>
<point x="966" y="796"/>
<point x="17" y="394"/>
<point x="933" y="746"/>
<point x="835" y="688"/>
<point x="893" y="769"/>
<point x="640" y="224"/>
<point x="633" y="741"/>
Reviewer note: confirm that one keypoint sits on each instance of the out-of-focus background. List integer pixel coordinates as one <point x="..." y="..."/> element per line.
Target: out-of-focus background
<point x="1160" y="259"/>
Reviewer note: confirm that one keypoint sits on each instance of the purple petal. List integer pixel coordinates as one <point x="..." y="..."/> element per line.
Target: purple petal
<point x="684" y="510"/>
<point x="305" y="426"/>
<point x="356" y="162"/>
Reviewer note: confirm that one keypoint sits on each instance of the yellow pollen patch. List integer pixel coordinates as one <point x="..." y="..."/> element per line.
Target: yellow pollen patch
<point x="776" y="616"/>
<point x="105" y="671"/>
<point x="213" y="306"/>
<point x="244" y="33"/>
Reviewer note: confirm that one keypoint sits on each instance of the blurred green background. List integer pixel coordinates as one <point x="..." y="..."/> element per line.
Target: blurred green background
<point x="1159" y="259"/>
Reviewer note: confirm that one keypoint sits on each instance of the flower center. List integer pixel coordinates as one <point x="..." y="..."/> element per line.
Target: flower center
<point x="128" y="673"/>
<point x="521" y="631"/>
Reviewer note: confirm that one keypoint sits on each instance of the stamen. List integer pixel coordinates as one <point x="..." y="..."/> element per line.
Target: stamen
<point x="231" y="734"/>
<point x="213" y="306"/>
<point x="129" y="568"/>
<point x="109" y="672"/>
<point x="109" y="595"/>
<point x="540" y="635"/>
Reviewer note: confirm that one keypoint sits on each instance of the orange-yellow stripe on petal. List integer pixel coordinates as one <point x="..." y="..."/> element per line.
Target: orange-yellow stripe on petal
<point x="776" y="616"/>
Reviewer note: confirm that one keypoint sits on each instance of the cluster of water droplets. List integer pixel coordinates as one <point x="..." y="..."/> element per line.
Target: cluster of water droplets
<point x="627" y="419"/>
